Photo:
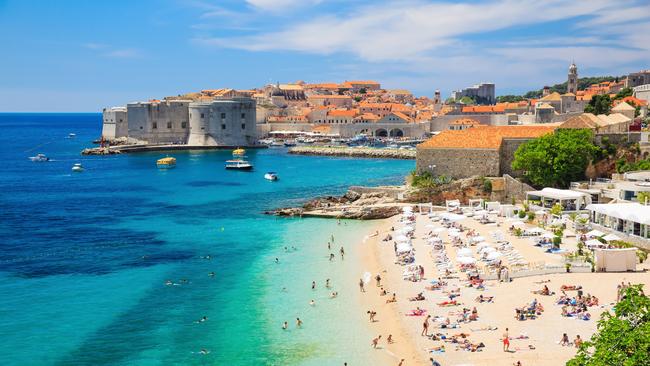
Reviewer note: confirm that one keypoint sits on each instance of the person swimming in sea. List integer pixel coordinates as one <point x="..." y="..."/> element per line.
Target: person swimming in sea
<point x="204" y="319"/>
<point x="285" y="325"/>
<point x="211" y="274"/>
<point x="313" y="285"/>
<point x="312" y="302"/>
<point x="327" y="283"/>
<point x="298" y="323"/>
<point x="277" y="260"/>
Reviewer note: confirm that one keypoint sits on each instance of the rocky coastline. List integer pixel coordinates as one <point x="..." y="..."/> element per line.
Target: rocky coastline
<point x="352" y="205"/>
<point x="363" y="152"/>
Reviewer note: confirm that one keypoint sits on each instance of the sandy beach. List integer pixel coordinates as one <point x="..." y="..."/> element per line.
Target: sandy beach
<point x="532" y="342"/>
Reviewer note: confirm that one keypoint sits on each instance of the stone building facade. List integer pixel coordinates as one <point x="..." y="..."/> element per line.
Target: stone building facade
<point x="480" y="150"/>
<point x="115" y="123"/>
<point x="180" y="122"/>
<point x="222" y="122"/>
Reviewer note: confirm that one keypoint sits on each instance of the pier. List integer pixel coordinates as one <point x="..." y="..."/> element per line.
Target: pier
<point x="360" y="152"/>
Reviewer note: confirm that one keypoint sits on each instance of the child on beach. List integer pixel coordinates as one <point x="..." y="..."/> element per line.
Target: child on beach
<point x="376" y="341"/>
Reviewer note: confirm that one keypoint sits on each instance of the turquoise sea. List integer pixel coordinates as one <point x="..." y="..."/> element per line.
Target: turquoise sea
<point x="84" y="257"/>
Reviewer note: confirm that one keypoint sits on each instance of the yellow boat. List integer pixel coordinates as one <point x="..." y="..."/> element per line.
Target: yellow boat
<point x="166" y="163"/>
<point x="239" y="152"/>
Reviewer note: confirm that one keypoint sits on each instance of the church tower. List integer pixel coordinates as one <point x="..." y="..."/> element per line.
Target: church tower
<point x="572" y="84"/>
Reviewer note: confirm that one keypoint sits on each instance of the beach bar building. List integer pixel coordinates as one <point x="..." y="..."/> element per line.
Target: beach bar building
<point x="570" y="200"/>
<point x="632" y="219"/>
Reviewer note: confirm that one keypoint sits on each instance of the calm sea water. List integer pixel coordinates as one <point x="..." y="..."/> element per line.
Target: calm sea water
<point x="84" y="256"/>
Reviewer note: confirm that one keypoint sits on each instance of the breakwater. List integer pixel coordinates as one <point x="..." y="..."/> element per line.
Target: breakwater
<point x="359" y="152"/>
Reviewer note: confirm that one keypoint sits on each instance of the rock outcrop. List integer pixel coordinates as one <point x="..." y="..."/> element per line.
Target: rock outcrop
<point x="352" y="205"/>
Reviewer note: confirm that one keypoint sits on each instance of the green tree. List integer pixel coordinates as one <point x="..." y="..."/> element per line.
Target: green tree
<point x="556" y="209"/>
<point x="467" y="100"/>
<point x="599" y="104"/>
<point x="509" y="98"/>
<point x="450" y="100"/>
<point x="623" y="338"/>
<point x="625" y="92"/>
<point x="556" y="159"/>
<point x="642" y="197"/>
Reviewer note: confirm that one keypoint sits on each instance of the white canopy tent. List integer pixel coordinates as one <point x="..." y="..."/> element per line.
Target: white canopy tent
<point x="615" y="260"/>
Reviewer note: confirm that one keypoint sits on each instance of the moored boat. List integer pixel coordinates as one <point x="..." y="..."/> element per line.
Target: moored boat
<point x="272" y="176"/>
<point x="238" y="152"/>
<point x="238" y="165"/>
<point x="166" y="163"/>
<point x="77" y="167"/>
<point x="39" y="158"/>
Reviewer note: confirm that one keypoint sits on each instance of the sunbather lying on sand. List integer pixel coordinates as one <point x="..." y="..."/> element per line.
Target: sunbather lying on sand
<point x="570" y="287"/>
<point x="417" y="312"/>
<point x="448" y="303"/>
<point x="482" y="298"/>
<point x="545" y="291"/>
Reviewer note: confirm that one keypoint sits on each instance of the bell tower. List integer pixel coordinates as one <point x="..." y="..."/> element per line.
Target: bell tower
<point x="572" y="82"/>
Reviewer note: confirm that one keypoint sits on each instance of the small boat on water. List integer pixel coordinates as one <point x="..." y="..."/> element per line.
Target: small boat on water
<point x="77" y="168"/>
<point x="289" y="143"/>
<point x="39" y="158"/>
<point x="238" y="152"/>
<point x="272" y="176"/>
<point x="72" y="135"/>
<point x="276" y="144"/>
<point x="166" y="163"/>
<point x="238" y="165"/>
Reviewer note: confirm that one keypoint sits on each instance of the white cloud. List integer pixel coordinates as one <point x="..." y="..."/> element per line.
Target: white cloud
<point x="279" y="5"/>
<point x="401" y="31"/>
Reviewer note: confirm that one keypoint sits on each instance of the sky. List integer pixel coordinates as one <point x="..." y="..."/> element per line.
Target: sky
<point x="81" y="56"/>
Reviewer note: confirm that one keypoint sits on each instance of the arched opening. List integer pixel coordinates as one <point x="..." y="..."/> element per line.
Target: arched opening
<point x="396" y="132"/>
<point x="381" y="133"/>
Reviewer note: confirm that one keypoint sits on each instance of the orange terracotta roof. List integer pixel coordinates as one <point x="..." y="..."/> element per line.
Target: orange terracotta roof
<point x="367" y="117"/>
<point x="367" y="82"/>
<point x="632" y="101"/>
<point x="322" y="86"/>
<point x="483" y="137"/>
<point x="343" y="113"/>
<point x="403" y="116"/>
<point x="484" y="109"/>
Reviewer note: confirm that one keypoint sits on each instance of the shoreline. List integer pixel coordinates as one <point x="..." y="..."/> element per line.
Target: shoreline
<point x="388" y="314"/>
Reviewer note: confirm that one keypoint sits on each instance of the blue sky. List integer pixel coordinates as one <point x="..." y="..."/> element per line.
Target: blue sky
<point x="84" y="55"/>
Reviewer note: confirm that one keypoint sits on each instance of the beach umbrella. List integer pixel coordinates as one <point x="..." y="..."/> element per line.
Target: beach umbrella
<point x="488" y="250"/>
<point x="465" y="252"/>
<point x="366" y="277"/>
<point x="593" y="243"/>
<point x="465" y="260"/>
<point x="480" y="212"/>
<point x="477" y="239"/>
<point x="430" y="226"/>
<point x="439" y="230"/>
<point x="401" y="238"/>
<point x="611" y="237"/>
<point x="548" y="235"/>
<point x="453" y="233"/>
<point x="493" y="256"/>
<point x="483" y="244"/>
<point x="451" y="216"/>
<point x="595" y="233"/>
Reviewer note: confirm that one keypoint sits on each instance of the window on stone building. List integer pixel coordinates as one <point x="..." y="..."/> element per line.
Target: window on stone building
<point x="202" y="116"/>
<point x="243" y="126"/>
<point x="223" y="115"/>
<point x="223" y="126"/>
<point x="154" y="125"/>
<point x="169" y="125"/>
<point x="183" y="124"/>
<point x="243" y="115"/>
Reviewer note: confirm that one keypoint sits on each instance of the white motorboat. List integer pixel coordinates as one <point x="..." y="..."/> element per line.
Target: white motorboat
<point x="276" y="144"/>
<point x="272" y="176"/>
<point x="72" y="135"/>
<point x="238" y="165"/>
<point x="39" y="158"/>
<point x="77" y="168"/>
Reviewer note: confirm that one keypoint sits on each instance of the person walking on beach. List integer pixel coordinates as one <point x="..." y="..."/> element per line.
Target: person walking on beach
<point x="331" y="257"/>
<point x="376" y="341"/>
<point x="378" y="279"/>
<point x="425" y="326"/>
<point x="434" y="362"/>
<point x="342" y="251"/>
<point x="401" y="363"/>
<point x="361" y="287"/>
<point x="372" y="314"/>
<point x="389" y="340"/>
<point x="506" y="341"/>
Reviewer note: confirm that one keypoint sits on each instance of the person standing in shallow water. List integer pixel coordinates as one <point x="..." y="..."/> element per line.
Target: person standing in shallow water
<point x="313" y="285"/>
<point x="361" y="287"/>
<point x="342" y="251"/>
